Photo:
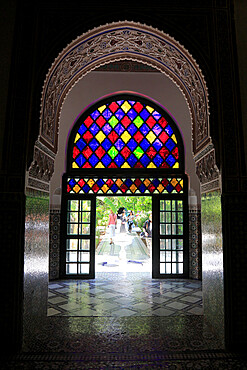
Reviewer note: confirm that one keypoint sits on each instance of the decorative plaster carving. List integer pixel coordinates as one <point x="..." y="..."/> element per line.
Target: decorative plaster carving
<point x="42" y="166"/>
<point x="208" y="172"/>
<point x="124" y="41"/>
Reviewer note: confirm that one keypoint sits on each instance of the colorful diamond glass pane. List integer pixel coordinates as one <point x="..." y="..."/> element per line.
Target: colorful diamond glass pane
<point x="135" y="135"/>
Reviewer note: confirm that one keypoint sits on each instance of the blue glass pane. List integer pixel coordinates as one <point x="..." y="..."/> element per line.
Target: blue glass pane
<point x="72" y="183"/>
<point x="169" y="130"/>
<point x="156" y="115"/>
<point x="119" y="114"/>
<point x="86" y="188"/>
<point x="94" y="129"/>
<point x="157" y="144"/>
<point x="144" y="129"/>
<point x="145" y="160"/>
<point x="80" y="160"/>
<point x="120" y="102"/>
<point x="80" y="144"/>
<point x="107" y="114"/>
<point x="106" y="129"/>
<point x="119" y="129"/>
<point x="82" y="129"/>
<point x="142" y="188"/>
<point x="155" y="182"/>
<point x="106" y="144"/>
<point x="157" y="129"/>
<point x="132" y="129"/>
<point x="144" y="114"/>
<point x="170" y="144"/>
<point x="132" y="144"/>
<point x="132" y="160"/>
<point x="158" y="160"/>
<point x="93" y="160"/>
<point x="145" y="144"/>
<point x="114" y="188"/>
<point x="95" y="114"/>
<point x="128" y="182"/>
<point x="94" y="144"/>
<point x="169" y="188"/>
<point x="119" y="144"/>
<point x="100" y="182"/>
<point x="131" y="102"/>
<point x="106" y="160"/>
<point x="119" y="160"/>
<point x="170" y="160"/>
<point x="132" y="114"/>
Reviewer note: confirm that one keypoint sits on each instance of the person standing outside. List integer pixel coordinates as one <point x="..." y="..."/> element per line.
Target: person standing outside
<point x="112" y="225"/>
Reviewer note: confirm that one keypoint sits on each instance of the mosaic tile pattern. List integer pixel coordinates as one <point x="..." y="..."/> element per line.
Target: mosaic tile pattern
<point x="119" y="295"/>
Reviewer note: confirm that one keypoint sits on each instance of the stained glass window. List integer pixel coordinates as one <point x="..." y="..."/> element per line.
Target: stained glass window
<point x="125" y="134"/>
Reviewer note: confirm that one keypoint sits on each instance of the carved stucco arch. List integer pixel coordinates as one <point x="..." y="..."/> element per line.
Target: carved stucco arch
<point x="123" y="41"/>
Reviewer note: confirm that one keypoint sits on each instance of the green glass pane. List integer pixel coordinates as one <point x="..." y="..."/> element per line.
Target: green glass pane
<point x="113" y="121"/>
<point x="138" y="121"/>
<point x="167" y="205"/>
<point x="138" y="152"/>
<point x="72" y="229"/>
<point x="162" y="205"/>
<point x="84" y="229"/>
<point x="180" y="205"/>
<point x="85" y="205"/>
<point x="72" y="217"/>
<point x="113" y="152"/>
<point x="168" y="216"/>
<point x="162" y="216"/>
<point x="180" y="217"/>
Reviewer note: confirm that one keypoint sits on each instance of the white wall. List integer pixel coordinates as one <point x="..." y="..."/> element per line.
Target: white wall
<point x="97" y="84"/>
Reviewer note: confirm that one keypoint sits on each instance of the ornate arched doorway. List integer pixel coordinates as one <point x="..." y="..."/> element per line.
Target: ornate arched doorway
<point x="125" y="144"/>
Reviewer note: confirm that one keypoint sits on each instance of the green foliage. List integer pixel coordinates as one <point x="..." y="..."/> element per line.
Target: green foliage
<point x="37" y="205"/>
<point x="211" y="212"/>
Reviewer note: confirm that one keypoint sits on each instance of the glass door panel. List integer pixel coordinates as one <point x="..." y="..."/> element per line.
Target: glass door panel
<point x="79" y="245"/>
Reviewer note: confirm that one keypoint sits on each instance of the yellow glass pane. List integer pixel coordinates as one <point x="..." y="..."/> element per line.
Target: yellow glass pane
<point x="174" y="138"/>
<point x="160" y="188"/>
<point x="151" y="165"/>
<point x="119" y="182"/>
<point x="102" y="108"/>
<point x="182" y="183"/>
<point x="100" y="136"/>
<point x="99" y="165"/>
<point x="176" y="165"/>
<point x="146" y="182"/>
<point x="76" y="188"/>
<point x="125" y="106"/>
<point x="125" y="136"/>
<point x="104" y="188"/>
<point x="125" y="165"/>
<point x="74" y="165"/>
<point x="77" y="137"/>
<point x="174" y="182"/>
<point x="149" y="109"/>
<point x="151" y="136"/>
<point x="133" y="188"/>
<point x="90" y="183"/>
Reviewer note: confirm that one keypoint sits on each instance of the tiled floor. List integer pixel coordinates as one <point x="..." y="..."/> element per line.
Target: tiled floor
<point x="124" y="294"/>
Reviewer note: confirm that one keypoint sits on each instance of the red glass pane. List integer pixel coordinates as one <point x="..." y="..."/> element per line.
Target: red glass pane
<point x="151" y="121"/>
<point x="81" y="183"/>
<point x="100" y="121"/>
<point x="138" y="165"/>
<point x="109" y="182"/>
<point x="138" y="136"/>
<point x="178" y="188"/>
<point x="138" y="107"/>
<point x="175" y="152"/>
<point x="113" y="107"/>
<point x="75" y="152"/>
<point x="95" y="188"/>
<point x="137" y="182"/>
<point x="124" y="188"/>
<point x="68" y="188"/>
<point x="125" y="152"/>
<point x="164" y="152"/>
<point x="151" y="152"/>
<point x="113" y="136"/>
<point x="163" y="122"/>
<point x="87" y="136"/>
<point x="87" y="152"/>
<point x="163" y="137"/>
<point x="87" y="165"/>
<point x="165" y="182"/>
<point x="126" y="121"/>
<point x="100" y="152"/>
<point x="112" y="165"/>
<point x="88" y="121"/>
<point x="151" y="188"/>
<point x="164" y="165"/>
